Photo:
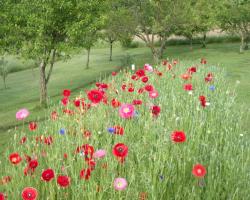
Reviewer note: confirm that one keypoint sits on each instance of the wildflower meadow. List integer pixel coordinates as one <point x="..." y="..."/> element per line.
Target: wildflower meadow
<point x="155" y="132"/>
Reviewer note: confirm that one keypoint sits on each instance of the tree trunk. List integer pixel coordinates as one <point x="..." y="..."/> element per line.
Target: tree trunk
<point x="88" y="53"/>
<point x="4" y="82"/>
<point x="162" y="48"/>
<point x="43" y="86"/>
<point x="51" y="65"/>
<point x="155" y="55"/>
<point x="244" y="43"/>
<point x="191" y="43"/>
<point x="204" y="45"/>
<point x="111" y="51"/>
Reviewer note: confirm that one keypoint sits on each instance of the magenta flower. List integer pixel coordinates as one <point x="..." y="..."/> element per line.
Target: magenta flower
<point x="153" y="94"/>
<point x="127" y="111"/>
<point x="22" y="114"/>
<point x="120" y="184"/>
<point x="99" y="153"/>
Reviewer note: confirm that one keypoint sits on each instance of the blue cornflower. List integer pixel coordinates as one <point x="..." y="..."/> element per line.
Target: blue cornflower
<point x="212" y="87"/>
<point x="62" y="131"/>
<point x="161" y="177"/>
<point x="111" y="130"/>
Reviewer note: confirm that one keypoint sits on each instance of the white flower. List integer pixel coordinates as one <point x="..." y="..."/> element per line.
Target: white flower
<point x="190" y="92"/>
<point x="207" y="104"/>
<point x="241" y="135"/>
<point x="133" y="67"/>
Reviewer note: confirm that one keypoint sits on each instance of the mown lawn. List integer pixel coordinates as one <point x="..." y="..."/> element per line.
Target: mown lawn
<point x="23" y="88"/>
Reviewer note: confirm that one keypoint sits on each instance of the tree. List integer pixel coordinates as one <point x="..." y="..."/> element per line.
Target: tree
<point x="118" y="25"/>
<point x="84" y="33"/>
<point x="90" y="38"/>
<point x="155" y="19"/>
<point x="234" y="16"/>
<point x="44" y="28"/>
<point x="4" y="71"/>
<point x="198" y="17"/>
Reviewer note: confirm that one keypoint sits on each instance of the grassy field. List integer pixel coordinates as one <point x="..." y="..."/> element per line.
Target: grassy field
<point x="23" y="89"/>
<point x="187" y="149"/>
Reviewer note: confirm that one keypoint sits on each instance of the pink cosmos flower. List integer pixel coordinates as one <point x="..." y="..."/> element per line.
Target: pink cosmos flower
<point x="120" y="184"/>
<point x="153" y="94"/>
<point x="99" y="153"/>
<point x="148" y="68"/>
<point x="127" y="111"/>
<point x="22" y="114"/>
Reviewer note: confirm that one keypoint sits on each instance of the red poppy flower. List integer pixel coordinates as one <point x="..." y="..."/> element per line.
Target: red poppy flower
<point x="131" y="89"/>
<point x="144" y="79"/>
<point x="65" y="156"/>
<point x="104" y="86"/>
<point x="65" y="101"/>
<point x="66" y="93"/>
<point x="48" y="175"/>
<point x="123" y="87"/>
<point x="91" y="164"/>
<point x="68" y="111"/>
<point x="15" y="158"/>
<point x="159" y="73"/>
<point x="32" y="126"/>
<point x="209" y="77"/>
<point x="23" y="140"/>
<point x="188" y="87"/>
<point x="33" y="164"/>
<point x="27" y="158"/>
<point x="88" y="151"/>
<point x="140" y="73"/>
<point x="137" y="102"/>
<point x="169" y="67"/>
<point x="178" y="136"/>
<point x="2" y="197"/>
<point x="199" y="171"/>
<point x="155" y="110"/>
<point x="115" y="103"/>
<point x="85" y="174"/>
<point x="203" y="101"/>
<point x="114" y="73"/>
<point x="175" y="62"/>
<point x="118" y="130"/>
<point x="191" y="70"/>
<point x="77" y="102"/>
<point x="164" y="62"/>
<point x="87" y="134"/>
<point x="141" y="90"/>
<point x="134" y="77"/>
<point x="29" y="193"/>
<point x="120" y="150"/>
<point x="95" y="96"/>
<point x="63" y="181"/>
<point x="48" y="140"/>
<point x="149" y="88"/>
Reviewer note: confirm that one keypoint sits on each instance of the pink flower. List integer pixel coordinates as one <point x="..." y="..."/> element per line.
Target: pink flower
<point x="148" y="68"/>
<point x="126" y="111"/>
<point x="120" y="184"/>
<point x="99" y="153"/>
<point x="22" y="114"/>
<point x="153" y="94"/>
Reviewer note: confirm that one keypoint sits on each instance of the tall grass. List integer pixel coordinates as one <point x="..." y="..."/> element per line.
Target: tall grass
<point x="155" y="166"/>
